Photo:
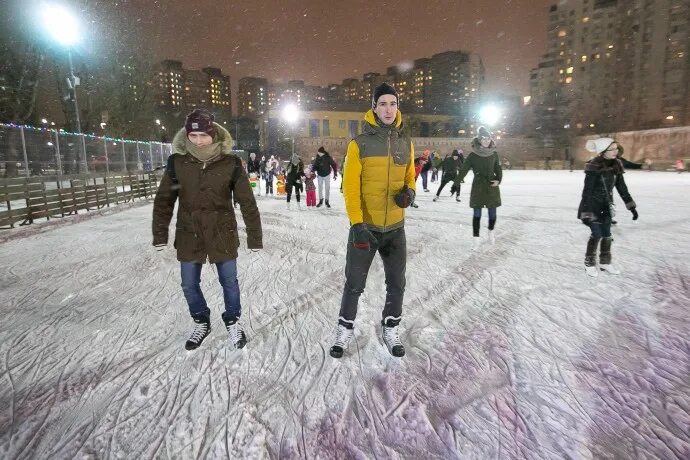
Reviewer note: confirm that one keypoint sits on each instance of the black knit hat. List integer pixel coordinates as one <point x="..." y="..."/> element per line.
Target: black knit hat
<point x="322" y="150"/>
<point x="200" y="120"/>
<point x="455" y="153"/>
<point x="383" y="88"/>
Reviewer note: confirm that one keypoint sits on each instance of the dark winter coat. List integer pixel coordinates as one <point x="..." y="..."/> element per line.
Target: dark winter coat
<point x="206" y="225"/>
<point x="323" y="164"/>
<point x="601" y="176"/>
<point x="253" y="166"/>
<point x="486" y="167"/>
<point x="450" y="167"/>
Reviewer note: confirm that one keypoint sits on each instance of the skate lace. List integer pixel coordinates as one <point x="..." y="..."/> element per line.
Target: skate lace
<point x="199" y="332"/>
<point x="235" y="332"/>
<point x="390" y="335"/>
<point x="342" y="336"/>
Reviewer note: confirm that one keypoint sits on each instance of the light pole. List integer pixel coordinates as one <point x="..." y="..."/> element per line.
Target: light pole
<point x="62" y="26"/>
<point x="291" y="116"/>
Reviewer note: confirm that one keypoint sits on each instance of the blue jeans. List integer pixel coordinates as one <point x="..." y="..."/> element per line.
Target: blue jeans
<point x="492" y="213"/>
<point x="425" y="178"/>
<point x="227" y="275"/>
<point x="601" y="228"/>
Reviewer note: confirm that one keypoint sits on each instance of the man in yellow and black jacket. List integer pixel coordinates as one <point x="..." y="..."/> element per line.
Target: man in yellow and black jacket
<point x="378" y="184"/>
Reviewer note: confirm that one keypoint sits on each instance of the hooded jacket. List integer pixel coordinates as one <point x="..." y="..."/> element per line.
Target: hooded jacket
<point x="206" y="227"/>
<point x="378" y="163"/>
<point x="486" y="167"/>
<point x="323" y="164"/>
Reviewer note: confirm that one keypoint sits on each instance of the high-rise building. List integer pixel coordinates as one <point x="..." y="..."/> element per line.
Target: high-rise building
<point x="170" y="85"/>
<point x="252" y="97"/>
<point x="182" y="90"/>
<point x="614" y="65"/>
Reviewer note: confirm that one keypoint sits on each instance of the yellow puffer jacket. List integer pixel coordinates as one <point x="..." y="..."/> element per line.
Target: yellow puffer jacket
<point x="379" y="162"/>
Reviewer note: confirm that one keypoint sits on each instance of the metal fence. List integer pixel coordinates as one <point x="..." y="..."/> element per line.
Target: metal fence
<point x="28" y="151"/>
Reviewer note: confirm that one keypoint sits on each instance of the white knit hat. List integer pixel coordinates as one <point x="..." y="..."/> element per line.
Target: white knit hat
<point x="599" y="145"/>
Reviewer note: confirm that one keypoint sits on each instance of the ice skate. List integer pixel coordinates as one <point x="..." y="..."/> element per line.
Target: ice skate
<point x="391" y="336"/>
<point x="343" y="336"/>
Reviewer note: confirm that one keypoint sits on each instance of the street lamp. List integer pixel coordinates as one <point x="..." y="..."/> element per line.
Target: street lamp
<point x="62" y="26"/>
<point x="291" y="115"/>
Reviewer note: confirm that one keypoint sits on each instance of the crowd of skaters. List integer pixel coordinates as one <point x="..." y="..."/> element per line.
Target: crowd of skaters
<point x="206" y="177"/>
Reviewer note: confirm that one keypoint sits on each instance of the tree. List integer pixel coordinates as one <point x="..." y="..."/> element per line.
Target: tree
<point x="21" y="61"/>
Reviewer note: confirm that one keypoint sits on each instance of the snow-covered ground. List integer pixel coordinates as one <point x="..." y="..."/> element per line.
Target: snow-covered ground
<point x="512" y="352"/>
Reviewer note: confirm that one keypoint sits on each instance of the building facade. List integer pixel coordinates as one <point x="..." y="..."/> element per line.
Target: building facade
<point x="614" y="65"/>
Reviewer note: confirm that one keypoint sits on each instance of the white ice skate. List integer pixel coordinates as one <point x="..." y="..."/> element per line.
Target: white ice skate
<point x="343" y="336"/>
<point x="608" y="268"/>
<point x="391" y="336"/>
<point x="592" y="271"/>
<point x="299" y="206"/>
<point x="492" y="237"/>
<point x="288" y="205"/>
<point x="435" y="198"/>
<point x="476" y="243"/>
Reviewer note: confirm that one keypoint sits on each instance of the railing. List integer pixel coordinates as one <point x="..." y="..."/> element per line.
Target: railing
<point x="23" y="200"/>
<point x="28" y="151"/>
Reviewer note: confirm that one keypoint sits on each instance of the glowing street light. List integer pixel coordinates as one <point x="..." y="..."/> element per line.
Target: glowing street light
<point x="490" y="115"/>
<point x="60" y="24"/>
<point x="291" y="115"/>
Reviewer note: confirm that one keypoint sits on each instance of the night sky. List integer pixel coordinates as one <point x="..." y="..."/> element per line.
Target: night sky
<point x="323" y="41"/>
<point x="320" y="41"/>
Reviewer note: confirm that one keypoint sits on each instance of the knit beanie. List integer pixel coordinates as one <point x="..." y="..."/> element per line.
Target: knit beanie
<point x="200" y="120"/>
<point x="454" y="153"/>
<point x="483" y="132"/>
<point x="600" y="145"/>
<point x="383" y="88"/>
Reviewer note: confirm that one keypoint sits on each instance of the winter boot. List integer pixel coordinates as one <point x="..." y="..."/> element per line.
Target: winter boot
<point x="235" y="332"/>
<point x="320" y="203"/>
<point x="202" y="328"/>
<point x="475" y="226"/>
<point x="343" y="335"/>
<point x="591" y="256"/>
<point x="605" y="257"/>
<point x="391" y="336"/>
<point x="328" y="205"/>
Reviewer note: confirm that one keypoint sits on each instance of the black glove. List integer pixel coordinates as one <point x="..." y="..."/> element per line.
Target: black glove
<point x="634" y="213"/>
<point x="362" y="238"/>
<point x="404" y="197"/>
<point x="587" y="218"/>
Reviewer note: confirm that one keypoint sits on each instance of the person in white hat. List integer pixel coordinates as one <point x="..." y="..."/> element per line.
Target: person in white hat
<point x="602" y="174"/>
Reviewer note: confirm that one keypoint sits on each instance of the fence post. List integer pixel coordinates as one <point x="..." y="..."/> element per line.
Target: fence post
<point x="83" y="146"/>
<point x="26" y="158"/>
<point x="139" y="167"/>
<point x="58" y="160"/>
<point x="124" y="156"/>
<point x="107" y="161"/>
<point x="151" y="156"/>
<point x="160" y="147"/>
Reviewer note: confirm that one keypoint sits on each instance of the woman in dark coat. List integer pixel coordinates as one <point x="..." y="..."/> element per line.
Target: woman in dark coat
<point x="486" y="166"/>
<point x="596" y="210"/>
<point x="293" y="179"/>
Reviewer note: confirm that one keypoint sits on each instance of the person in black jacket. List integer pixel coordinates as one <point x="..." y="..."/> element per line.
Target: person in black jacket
<point x="293" y="179"/>
<point x="254" y="166"/>
<point x="596" y="210"/>
<point x="323" y="164"/>
<point x="451" y="165"/>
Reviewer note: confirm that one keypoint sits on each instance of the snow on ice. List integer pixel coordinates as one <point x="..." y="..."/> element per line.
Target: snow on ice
<point x="513" y="352"/>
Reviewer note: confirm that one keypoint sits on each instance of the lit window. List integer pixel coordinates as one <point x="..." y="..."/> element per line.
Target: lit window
<point x="569" y="70"/>
<point x="584" y="58"/>
<point x="585" y="19"/>
<point x="568" y="80"/>
<point x="562" y="33"/>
